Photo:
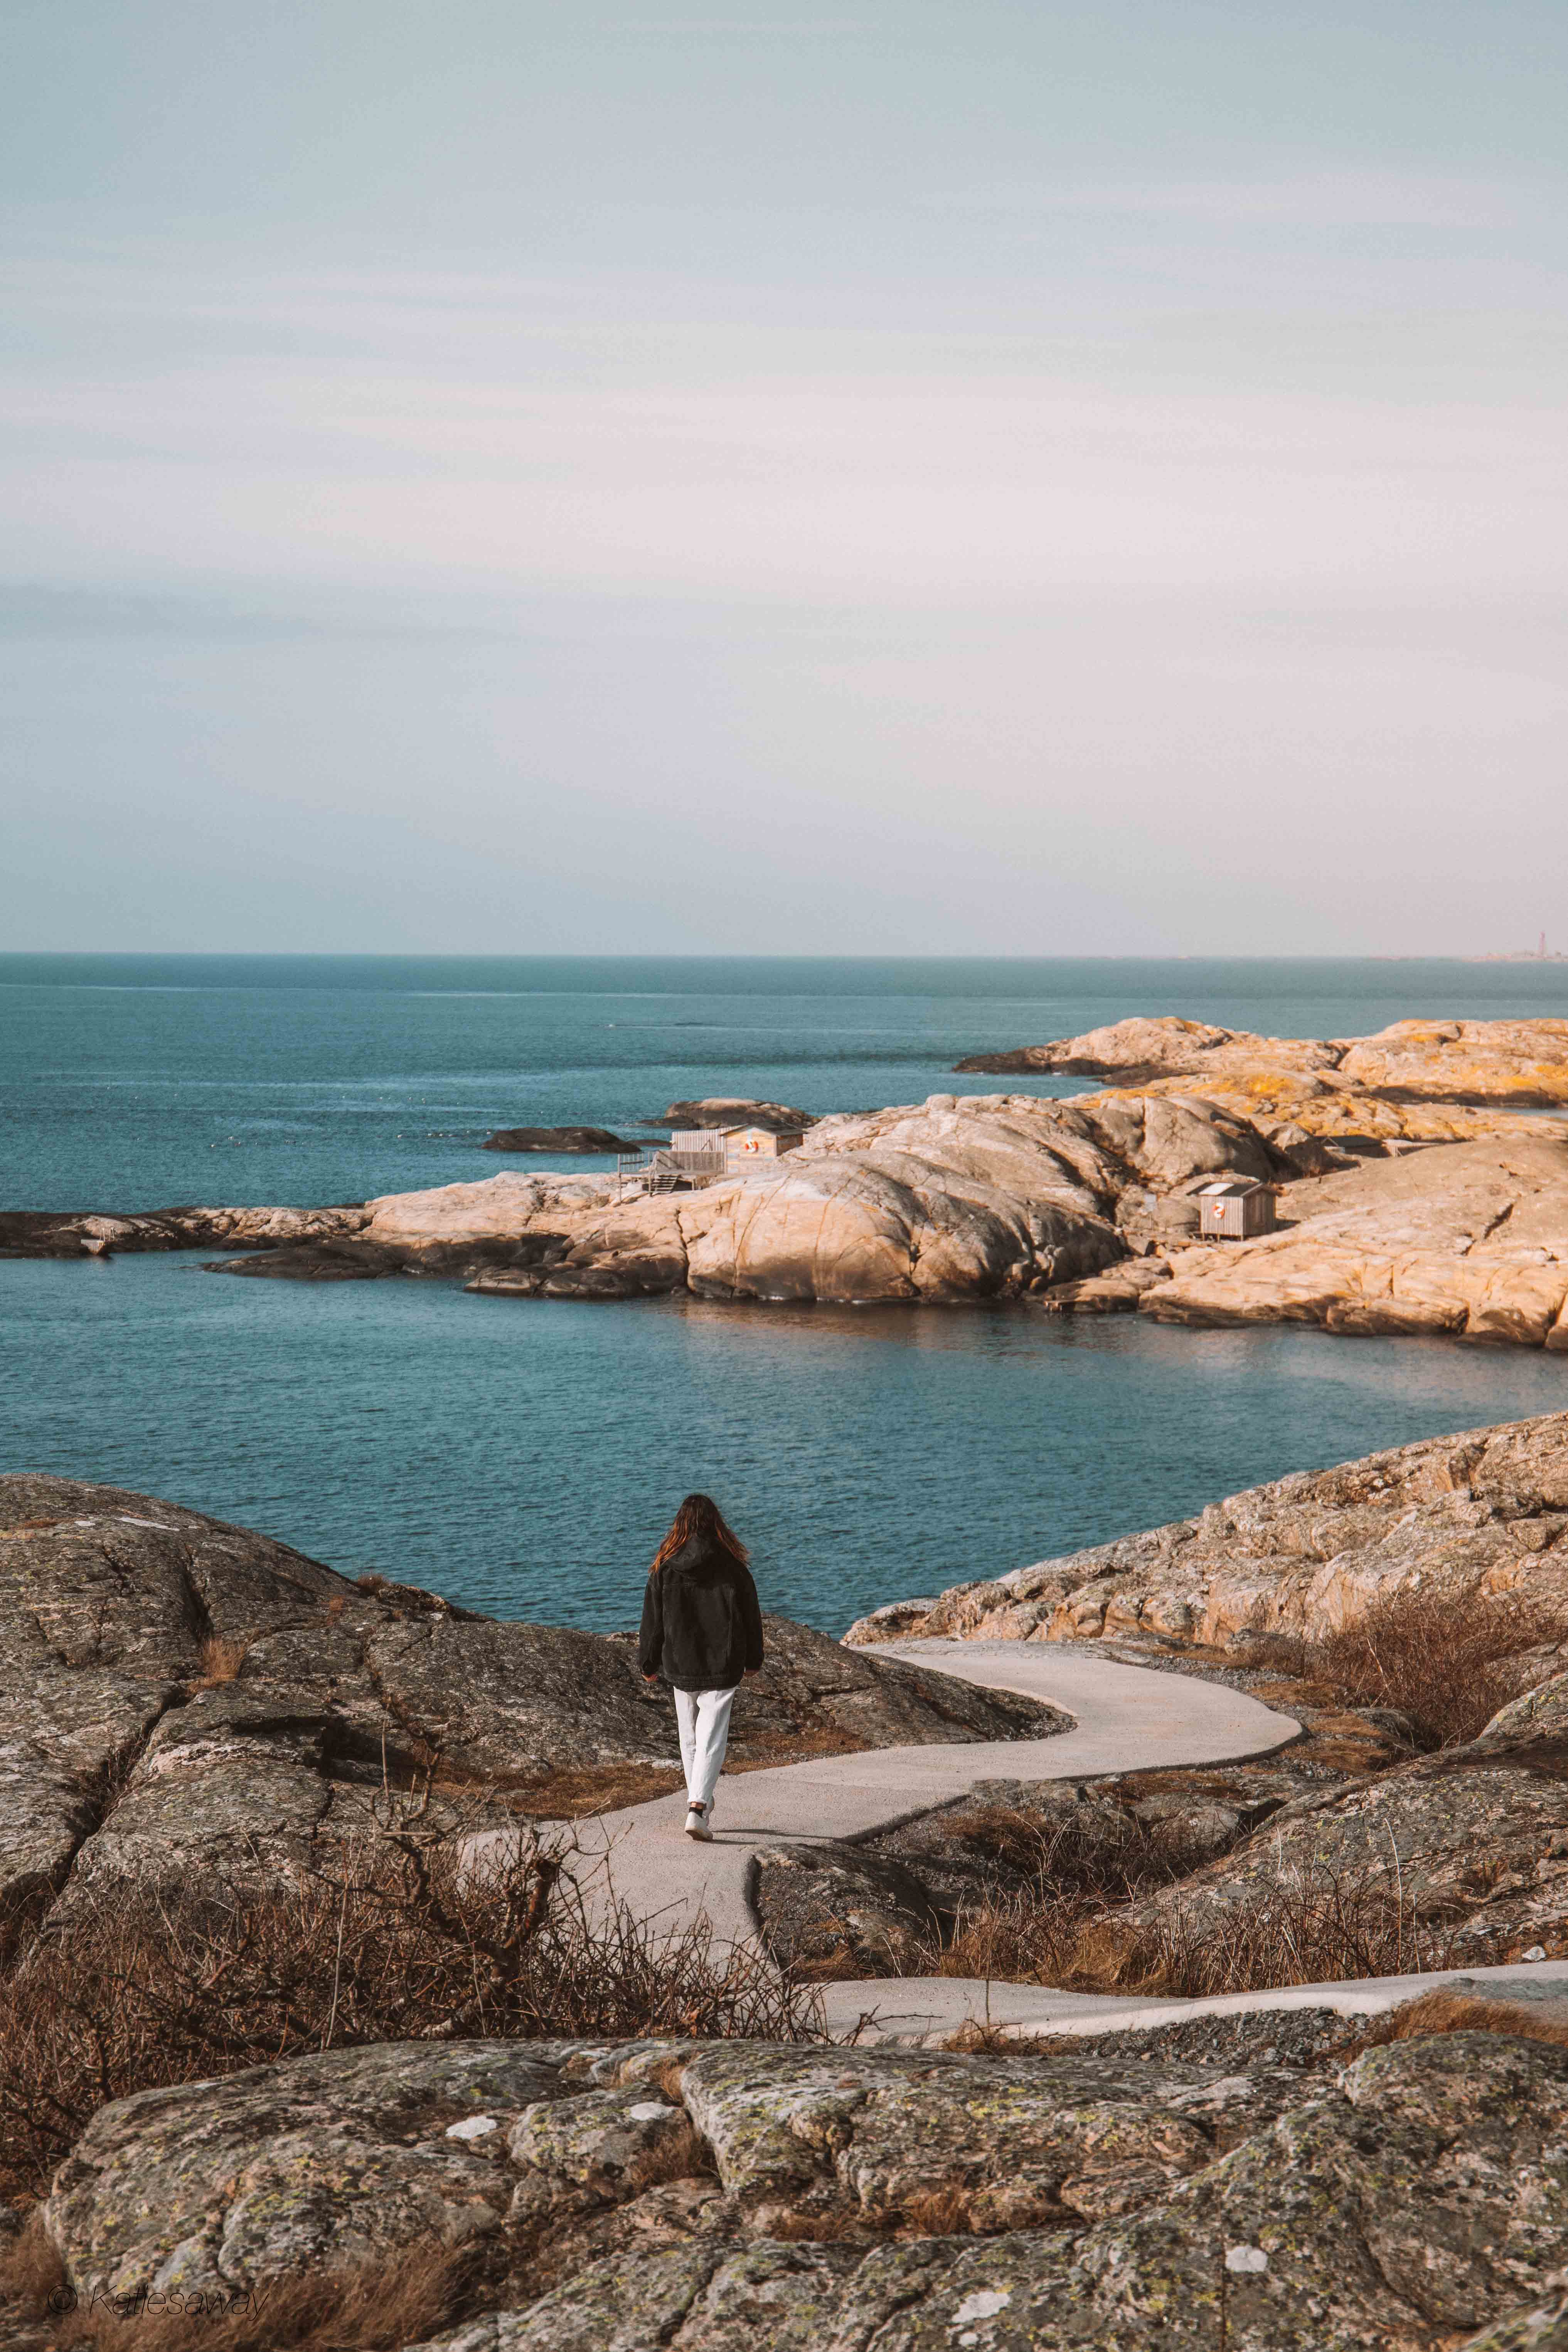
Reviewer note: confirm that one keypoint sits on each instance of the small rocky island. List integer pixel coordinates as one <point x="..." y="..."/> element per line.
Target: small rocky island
<point x="587" y="1142"/>
<point x="1419" y="1183"/>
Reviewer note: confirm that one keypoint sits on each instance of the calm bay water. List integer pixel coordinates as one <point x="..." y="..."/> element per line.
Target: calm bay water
<point x="524" y="1456"/>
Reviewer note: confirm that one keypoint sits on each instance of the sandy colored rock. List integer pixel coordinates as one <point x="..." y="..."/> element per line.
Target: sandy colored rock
<point x="1518" y="1061"/>
<point x="1160" y="1047"/>
<point x="980" y="1196"/>
<point x="1503" y="1062"/>
<point x="1300" y="1556"/>
<point x="1471" y="1240"/>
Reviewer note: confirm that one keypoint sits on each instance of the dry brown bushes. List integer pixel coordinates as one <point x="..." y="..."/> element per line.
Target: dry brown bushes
<point x="1074" y="1875"/>
<point x="1446" y="1662"/>
<point x="1446" y="2012"/>
<point x="1311" y="1925"/>
<point x="392" y="1940"/>
<point x="1069" y="1928"/>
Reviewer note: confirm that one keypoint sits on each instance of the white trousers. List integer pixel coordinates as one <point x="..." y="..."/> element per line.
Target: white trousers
<point x="704" y="1720"/>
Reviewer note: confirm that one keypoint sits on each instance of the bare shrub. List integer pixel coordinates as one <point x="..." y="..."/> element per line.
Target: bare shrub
<point x="1314" y="1923"/>
<point x="1446" y="1662"/>
<point x="391" y="1940"/>
<point x="1033" y="1933"/>
<point x="1308" y="1925"/>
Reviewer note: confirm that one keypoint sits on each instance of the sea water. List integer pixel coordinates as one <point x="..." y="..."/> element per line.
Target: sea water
<point x="524" y="1455"/>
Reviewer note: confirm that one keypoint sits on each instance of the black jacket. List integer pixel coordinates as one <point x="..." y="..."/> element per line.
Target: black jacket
<point x="701" y="1626"/>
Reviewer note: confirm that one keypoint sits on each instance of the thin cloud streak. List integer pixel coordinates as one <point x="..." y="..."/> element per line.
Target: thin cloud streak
<point x="1327" y="200"/>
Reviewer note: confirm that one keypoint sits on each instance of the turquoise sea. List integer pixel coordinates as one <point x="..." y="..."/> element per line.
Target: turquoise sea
<point x="524" y="1456"/>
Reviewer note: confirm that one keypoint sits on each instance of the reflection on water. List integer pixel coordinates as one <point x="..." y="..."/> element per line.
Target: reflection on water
<point x="524" y="1456"/>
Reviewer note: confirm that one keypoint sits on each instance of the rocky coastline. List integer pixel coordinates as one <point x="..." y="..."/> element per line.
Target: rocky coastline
<point x="1419" y="1182"/>
<point x="185" y="1704"/>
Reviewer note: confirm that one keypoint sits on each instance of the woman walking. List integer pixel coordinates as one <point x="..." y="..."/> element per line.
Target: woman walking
<point x="702" y="1630"/>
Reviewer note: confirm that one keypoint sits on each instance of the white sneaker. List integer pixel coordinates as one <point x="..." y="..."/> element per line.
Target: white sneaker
<point x="696" y="1825"/>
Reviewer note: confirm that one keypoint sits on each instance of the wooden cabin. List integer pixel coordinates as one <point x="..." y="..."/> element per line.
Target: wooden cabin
<point x="1235" y="1207"/>
<point x="699" y="1156"/>
<point x="744" y="1145"/>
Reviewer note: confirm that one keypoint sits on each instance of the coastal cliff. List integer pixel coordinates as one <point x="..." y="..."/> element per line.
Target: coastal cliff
<point x="181" y="1696"/>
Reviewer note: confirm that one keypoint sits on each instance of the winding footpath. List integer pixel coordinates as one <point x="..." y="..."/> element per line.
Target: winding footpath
<point x="1125" y="1719"/>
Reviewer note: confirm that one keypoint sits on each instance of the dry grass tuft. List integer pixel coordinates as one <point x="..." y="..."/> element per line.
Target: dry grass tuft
<point x="822" y="2225"/>
<point x="222" y="1659"/>
<point x="939" y="2212"/>
<point x="394" y="1940"/>
<point x="30" y="2269"/>
<point x="1448" y="1663"/>
<point x="1444" y="2012"/>
<point x="369" y="2310"/>
<point x="570" y="1795"/>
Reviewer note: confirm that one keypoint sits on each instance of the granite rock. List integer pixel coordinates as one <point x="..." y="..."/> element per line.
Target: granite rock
<point x="1520" y="1063"/>
<point x="831" y="1910"/>
<point x="845" y="2201"/>
<point x="1472" y="1844"/>
<point x="1486" y="1511"/>
<point x="557" y="1138"/>
<point x="177" y="1693"/>
<point x="982" y="1196"/>
<point x="1471" y="1239"/>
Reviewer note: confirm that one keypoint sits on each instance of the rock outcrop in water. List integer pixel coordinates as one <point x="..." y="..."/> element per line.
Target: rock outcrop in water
<point x="736" y="1110"/>
<point x="176" y="1693"/>
<point x="75" y="1233"/>
<point x="1508" y="1064"/>
<point x="967" y="1197"/>
<point x="1412" y="1199"/>
<point x="584" y="1140"/>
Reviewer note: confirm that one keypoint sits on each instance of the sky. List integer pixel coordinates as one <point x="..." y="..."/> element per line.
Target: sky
<point x="917" y="478"/>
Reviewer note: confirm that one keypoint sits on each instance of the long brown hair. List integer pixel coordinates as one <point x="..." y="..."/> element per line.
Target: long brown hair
<point x="699" y="1515"/>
